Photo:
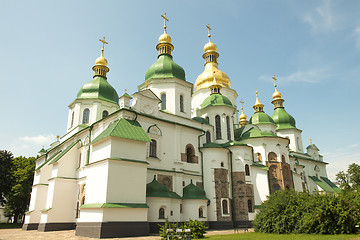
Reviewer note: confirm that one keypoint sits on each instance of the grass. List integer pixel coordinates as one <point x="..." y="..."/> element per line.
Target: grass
<point x="10" y="225"/>
<point x="268" y="236"/>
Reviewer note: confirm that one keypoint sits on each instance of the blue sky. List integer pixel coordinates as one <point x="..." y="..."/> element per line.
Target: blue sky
<point x="313" y="47"/>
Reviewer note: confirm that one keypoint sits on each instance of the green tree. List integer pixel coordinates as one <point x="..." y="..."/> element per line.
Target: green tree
<point x="6" y="158"/>
<point x="349" y="180"/>
<point x="18" y="199"/>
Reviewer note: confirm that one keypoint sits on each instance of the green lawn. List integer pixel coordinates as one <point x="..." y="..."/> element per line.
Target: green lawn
<point x="267" y="236"/>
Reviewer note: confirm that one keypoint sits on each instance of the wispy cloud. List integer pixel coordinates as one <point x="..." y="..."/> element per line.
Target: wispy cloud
<point x="313" y="75"/>
<point x="30" y="145"/>
<point x="322" y="18"/>
<point x="341" y="158"/>
<point x="356" y="35"/>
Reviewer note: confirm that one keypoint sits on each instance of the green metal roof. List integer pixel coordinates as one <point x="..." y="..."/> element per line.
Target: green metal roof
<point x="165" y="67"/>
<point x="331" y="184"/>
<point x="63" y="152"/>
<point x="98" y="88"/>
<point x="193" y="192"/>
<point x="260" y="117"/>
<point x="156" y="189"/>
<point x="258" y="165"/>
<point x="321" y="184"/>
<point x="42" y="151"/>
<point x="223" y="145"/>
<point x="256" y="133"/>
<point x="115" y="205"/>
<point x="126" y="95"/>
<point x="216" y="99"/>
<point x="200" y="119"/>
<point x="124" y="128"/>
<point x="47" y="160"/>
<point x="282" y="119"/>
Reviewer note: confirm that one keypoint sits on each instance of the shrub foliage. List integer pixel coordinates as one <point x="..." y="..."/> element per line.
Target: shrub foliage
<point x="198" y="228"/>
<point x="298" y="212"/>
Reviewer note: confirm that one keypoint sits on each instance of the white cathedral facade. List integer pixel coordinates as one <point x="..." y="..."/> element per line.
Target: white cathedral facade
<point x="168" y="151"/>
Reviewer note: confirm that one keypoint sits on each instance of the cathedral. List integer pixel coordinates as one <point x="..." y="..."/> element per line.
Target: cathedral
<point x="172" y="150"/>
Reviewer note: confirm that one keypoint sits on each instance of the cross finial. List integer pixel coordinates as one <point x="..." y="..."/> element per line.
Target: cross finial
<point x="165" y="19"/>
<point x="208" y="27"/>
<point x="241" y="101"/>
<point x="125" y="90"/>
<point x="274" y="80"/>
<point x="103" y="42"/>
<point x="310" y="141"/>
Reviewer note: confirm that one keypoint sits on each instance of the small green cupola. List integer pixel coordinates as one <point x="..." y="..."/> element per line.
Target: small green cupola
<point x="98" y="87"/>
<point x="282" y="119"/>
<point x="216" y="98"/>
<point x="156" y="189"/>
<point x="165" y="67"/>
<point x="193" y="192"/>
<point x="260" y="117"/>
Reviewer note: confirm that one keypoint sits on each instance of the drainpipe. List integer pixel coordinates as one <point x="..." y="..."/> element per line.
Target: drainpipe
<point x="88" y="155"/>
<point x="202" y="159"/>
<point x="232" y="189"/>
<point x="252" y="151"/>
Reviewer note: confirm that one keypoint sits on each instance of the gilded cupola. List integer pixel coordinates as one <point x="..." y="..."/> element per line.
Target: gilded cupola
<point x="243" y="118"/>
<point x="205" y="79"/>
<point x="260" y="117"/>
<point x="258" y="106"/>
<point x="164" y="67"/>
<point x="281" y="118"/>
<point x="100" y="67"/>
<point x="98" y="87"/>
<point x="277" y="100"/>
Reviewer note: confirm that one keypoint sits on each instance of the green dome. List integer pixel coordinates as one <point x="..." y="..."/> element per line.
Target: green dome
<point x="216" y="99"/>
<point x="98" y="88"/>
<point x="193" y="192"/>
<point x="260" y="117"/>
<point x="156" y="189"/>
<point x="282" y="119"/>
<point x="165" y="67"/>
<point x="255" y="133"/>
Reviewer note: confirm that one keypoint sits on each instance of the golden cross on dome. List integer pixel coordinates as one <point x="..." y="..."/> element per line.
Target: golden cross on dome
<point x="310" y="141"/>
<point x="241" y="101"/>
<point x="103" y="42"/>
<point x="208" y="27"/>
<point x="274" y="80"/>
<point x="165" y="19"/>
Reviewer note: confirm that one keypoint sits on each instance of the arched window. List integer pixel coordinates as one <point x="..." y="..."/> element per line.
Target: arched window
<point x="228" y="127"/>
<point x="86" y="116"/>
<point x="272" y="156"/>
<point x="207" y="119"/>
<point x="201" y="212"/>
<point x="181" y="103"/>
<point x="259" y="157"/>
<point x="225" y="209"/>
<point x="283" y="158"/>
<point x="208" y="137"/>
<point x="152" y="150"/>
<point x="105" y="114"/>
<point x="72" y="119"/>
<point x="218" y="127"/>
<point x="190" y="153"/>
<point x="247" y="170"/>
<point x="250" y="206"/>
<point x="161" y="213"/>
<point x="163" y="101"/>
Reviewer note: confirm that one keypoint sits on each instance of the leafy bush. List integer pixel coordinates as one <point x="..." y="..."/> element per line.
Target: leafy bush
<point x="292" y="212"/>
<point x="197" y="229"/>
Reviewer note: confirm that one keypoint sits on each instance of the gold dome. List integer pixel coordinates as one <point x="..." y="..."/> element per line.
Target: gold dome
<point x="258" y="103"/>
<point x="242" y="116"/>
<point x="276" y="95"/>
<point x="165" y="38"/>
<point x="101" y="61"/>
<point x="206" y="78"/>
<point x="210" y="47"/>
